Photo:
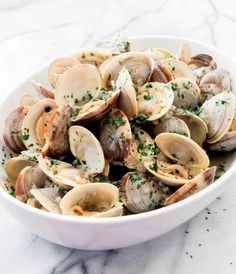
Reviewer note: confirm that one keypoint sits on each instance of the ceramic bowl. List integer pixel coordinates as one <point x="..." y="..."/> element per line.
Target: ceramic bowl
<point x="117" y="232"/>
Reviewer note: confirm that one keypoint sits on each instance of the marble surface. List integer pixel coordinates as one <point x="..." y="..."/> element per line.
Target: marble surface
<point x="34" y="32"/>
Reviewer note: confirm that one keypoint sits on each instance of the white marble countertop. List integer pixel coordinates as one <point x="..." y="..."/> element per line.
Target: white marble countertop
<point x="34" y="32"/>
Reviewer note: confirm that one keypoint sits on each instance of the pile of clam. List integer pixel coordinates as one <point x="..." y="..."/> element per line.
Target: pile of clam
<point x="120" y="132"/>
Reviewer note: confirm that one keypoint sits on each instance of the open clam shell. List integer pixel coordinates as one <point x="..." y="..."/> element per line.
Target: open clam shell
<point x="32" y="118"/>
<point x="182" y="150"/>
<point x="58" y="66"/>
<point x="12" y="136"/>
<point x="115" y="136"/>
<point x="93" y="56"/>
<point x="85" y="147"/>
<point x="161" y="73"/>
<point x="97" y="109"/>
<point x="140" y="193"/>
<point x="186" y="93"/>
<point x="139" y="65"/>
<point x="218" y="113"/>
<point x="154" y="100"/>
<point x="178" y="68"/>
<point x="142" y="148"/>
<point x="48" y="197"/>
<point x="127" y="101"/>
<point x="78" y="85"/>
<point x="46" y="92"/>
<point x="92" y="200"/>
<point x="184" y="53"/>
<point x="62" y="173"/>
<point x="193" y="186"/>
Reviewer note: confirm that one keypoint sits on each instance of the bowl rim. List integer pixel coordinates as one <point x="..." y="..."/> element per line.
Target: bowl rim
<point x="129" y="218"/>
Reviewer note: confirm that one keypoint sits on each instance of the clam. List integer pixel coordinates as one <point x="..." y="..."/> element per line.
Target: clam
<point x="184" y="53"/>
<point x="195" y="185"/>
<point x="115" y="136"/>
<point x="186" y="93"/>
<point x="12" y="136"/>
<point x="186" y="159"/>
<point x="97" y="109"/>
<point x="141" y="193"/>
<point x="139" y="65"/>
<point x="48" y="198"/>
<point x="58" y="67"/>
<point x="78" y="85"/>
<point x="56" y="134"/>
<point x="197" y="127"/>
<point x="34" y="121"/>
<point x="127" y="101"/>
<point x="62" y="173"/>
<point x="154" y="100"/>
<point x="26" y="99"/>
<point x="172" y="124"/>
<point x="201" y="64"/>
<point x="46" y="92"/>
<point x="214" y="82"/>
<point x="86" y="148"/>
<point x="142" y="148"/>
<point x="161" y="73"/>
<point x="159" y="54"/>
<point x="29" y="177"/>
<point x="178" y="68"/>
<point x="15" y="165"/>
<point x="218" y="113"/>
<point x="93" y="56"/>
<point x="92" y="200"/>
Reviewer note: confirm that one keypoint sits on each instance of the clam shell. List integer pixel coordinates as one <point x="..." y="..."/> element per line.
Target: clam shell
<point x="46" y="92"/>
<point x="182" y="150"/>
<point x="28" y="127"/>
<point x="154" y="100"/>
<point x="58" y="66"/>
<point x="178" y="68"/>
<point x="115" y="136"/>
<point x="26" y="99"/>
<point x="139" y="65"/>
<point x="161" y="73"/>
<point x="85" y="147"/>
<point x="127" y="101"/>
<point x="78" y="85"/>
<point x="218" y="113"/>
<point x="92" y="200"/>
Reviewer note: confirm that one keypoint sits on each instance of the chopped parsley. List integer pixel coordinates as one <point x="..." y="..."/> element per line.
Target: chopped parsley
<point x="142" y="117"/>
<point x="148" y="97"/>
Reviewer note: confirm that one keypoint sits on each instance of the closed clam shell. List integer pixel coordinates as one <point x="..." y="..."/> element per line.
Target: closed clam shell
<point x="29" y="124"/>
<point x="127" y="101"/>
<point x="218" y="113"/>
<point x="78" y="85"/>
<point x="115" y="136"/>
<point x="92" y="200"/>
<point x="139" y="65"/>
<point x="154" y="100"/>
<point x="226" y="143"/>
<point x="140" y="193"/>
<point x="186" y="93"/>
<point x="182" y="150"/>
<point x="58" y="66"/>
<point x="178" y="68"/>
<point x="12" y="129"/>
<point x="86" y="147"/>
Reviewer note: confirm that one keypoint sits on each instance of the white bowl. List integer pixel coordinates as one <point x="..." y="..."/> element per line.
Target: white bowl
<point x="109" y="233"/>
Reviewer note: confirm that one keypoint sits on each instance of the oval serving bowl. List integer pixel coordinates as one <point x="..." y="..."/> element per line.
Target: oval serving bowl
<point x="117" y="232"/>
